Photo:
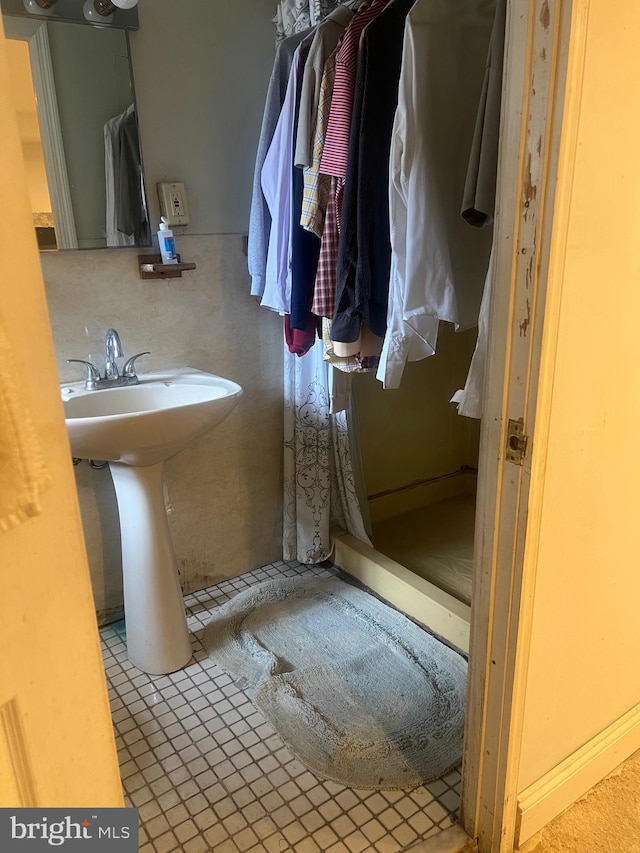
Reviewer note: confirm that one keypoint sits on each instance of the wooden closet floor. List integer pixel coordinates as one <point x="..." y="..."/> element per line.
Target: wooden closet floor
<point x="435" y="542"/>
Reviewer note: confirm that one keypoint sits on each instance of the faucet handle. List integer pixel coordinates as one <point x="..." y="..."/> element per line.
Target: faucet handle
<point x="93" y="374"/>
<point x="129" y="368"/>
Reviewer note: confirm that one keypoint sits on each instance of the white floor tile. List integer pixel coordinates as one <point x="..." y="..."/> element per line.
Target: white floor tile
<point x="209" y="773"/>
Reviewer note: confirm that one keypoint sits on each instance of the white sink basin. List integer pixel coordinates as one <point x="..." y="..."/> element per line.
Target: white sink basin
<point x="146" y="423"/>
<point x="135" y="428"/>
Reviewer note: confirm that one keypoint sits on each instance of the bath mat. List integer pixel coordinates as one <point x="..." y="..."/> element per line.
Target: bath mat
<point x="359" y="693"/>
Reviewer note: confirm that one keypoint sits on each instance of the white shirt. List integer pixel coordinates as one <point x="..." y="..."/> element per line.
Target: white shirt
<point x="470" y="399"/>
<point x="439" y="262"/>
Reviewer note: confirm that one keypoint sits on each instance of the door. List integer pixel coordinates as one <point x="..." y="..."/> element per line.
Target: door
<point x="56" y="739"/>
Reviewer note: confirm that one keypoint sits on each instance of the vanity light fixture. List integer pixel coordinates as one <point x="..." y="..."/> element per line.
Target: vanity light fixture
<point x="101" y="11"/>
<point x="39" y="7"/>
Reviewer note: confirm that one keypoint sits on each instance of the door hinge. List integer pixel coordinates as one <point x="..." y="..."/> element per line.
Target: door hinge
<point x="517" y="441"/>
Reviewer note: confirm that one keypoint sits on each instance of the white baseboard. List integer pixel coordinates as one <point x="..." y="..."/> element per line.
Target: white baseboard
<point x="576" y="775"/>
<point x="425" y="602"/>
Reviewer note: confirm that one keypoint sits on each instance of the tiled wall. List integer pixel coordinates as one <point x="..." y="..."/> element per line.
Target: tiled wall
<point x="225" y="490"/>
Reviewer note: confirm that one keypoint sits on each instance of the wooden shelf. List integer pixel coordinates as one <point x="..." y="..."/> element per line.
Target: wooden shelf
<point x="161" y="270"/>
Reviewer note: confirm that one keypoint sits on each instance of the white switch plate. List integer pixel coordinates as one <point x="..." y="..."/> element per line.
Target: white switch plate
<point x="173" y="203"/>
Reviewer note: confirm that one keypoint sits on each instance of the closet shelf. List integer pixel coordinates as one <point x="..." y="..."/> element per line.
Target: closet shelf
<point x="151" y="266"/>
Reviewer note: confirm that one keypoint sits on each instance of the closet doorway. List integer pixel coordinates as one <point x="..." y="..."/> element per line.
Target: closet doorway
<point x="420" y="467"/>
<point x="448" y="544"/>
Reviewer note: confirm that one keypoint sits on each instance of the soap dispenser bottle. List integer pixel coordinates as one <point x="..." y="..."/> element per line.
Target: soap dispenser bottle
<point x="166" y="243"/>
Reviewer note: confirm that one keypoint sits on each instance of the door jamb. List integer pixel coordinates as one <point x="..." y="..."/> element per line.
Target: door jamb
<point x="536" y="51"/>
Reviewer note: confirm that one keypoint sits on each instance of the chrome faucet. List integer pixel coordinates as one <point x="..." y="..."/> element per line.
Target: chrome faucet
<point x="112" y="377"/>
<point x="113" y="350"/>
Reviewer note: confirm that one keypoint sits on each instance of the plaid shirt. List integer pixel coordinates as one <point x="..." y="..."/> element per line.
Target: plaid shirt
<point x="317" y="186"/>
<point x="350" y="363"/>
<point x="324" y="295"/>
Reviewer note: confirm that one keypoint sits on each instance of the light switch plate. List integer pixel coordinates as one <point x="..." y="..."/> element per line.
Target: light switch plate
<point x="173" y="203"/>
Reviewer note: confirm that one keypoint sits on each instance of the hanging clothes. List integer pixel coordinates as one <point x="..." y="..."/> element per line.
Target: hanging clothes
<point x="326" y="38"/>
<point x="111" y="130"/>
<point x="277" y="189"/>
<point x="127" y="222"/>
<point x="478" y="205"/>
<point x="364" y="251"/>
<point x="438" y="263"/>
<point x="316" y="185"/>
<point x="305" y="242"/>
<point x="335" y="150"/>
<point x="336" y="145"/>
<point x="470" y="399"/>
<point x="479" y="200"/>
<point x="358" y="363"/>
<point x="300" y="341"/>
<point x="131" y="206"/>
<point x="260" y="217"/>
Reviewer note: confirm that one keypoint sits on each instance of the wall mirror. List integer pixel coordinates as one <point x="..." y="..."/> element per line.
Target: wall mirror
<point x="75" y="104"/>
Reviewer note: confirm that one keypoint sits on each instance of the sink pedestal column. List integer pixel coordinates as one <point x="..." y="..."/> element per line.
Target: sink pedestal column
<point x="157" y="634"/>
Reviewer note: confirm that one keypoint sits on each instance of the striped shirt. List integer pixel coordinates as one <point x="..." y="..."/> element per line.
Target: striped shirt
<point x="336" y="143"/>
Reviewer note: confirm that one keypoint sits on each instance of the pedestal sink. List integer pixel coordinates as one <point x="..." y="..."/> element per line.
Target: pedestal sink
<point x="135" y="429"/>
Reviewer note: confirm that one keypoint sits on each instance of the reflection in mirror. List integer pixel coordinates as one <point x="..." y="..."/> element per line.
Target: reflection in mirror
<point x="79" y="131"/>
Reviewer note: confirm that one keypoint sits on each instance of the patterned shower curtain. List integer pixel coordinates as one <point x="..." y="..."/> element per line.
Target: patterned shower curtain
<point x="320" y="490"/>
<point x="294" y="16"/>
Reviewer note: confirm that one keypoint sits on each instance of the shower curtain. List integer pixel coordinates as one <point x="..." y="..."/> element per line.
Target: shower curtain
<point x="321" y="462"/>
<point x="294" y="16"/>
<point x="323" y="483"/>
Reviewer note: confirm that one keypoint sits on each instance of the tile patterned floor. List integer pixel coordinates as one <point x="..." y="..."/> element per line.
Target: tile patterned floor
<point x="208" y="773"/>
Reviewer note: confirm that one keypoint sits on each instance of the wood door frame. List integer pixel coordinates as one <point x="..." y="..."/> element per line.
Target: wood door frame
<point x="536" y="55"/>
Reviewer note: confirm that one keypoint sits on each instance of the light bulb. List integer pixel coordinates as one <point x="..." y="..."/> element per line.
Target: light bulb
<point x="101" y="11"/>
<point x="92" y="14"/>
<point x="39" y="7"/>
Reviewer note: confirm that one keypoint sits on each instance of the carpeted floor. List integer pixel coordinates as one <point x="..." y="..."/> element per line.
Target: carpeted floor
<point x="607" y="820"/>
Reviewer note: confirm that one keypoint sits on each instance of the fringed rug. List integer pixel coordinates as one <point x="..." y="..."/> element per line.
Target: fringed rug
<point x="359" y="693"/>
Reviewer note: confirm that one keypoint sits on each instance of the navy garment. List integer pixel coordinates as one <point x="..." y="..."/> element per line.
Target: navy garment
<point x="305" y="246"/>
<point x="305" y="251"/>
<point x="364" y="250"/>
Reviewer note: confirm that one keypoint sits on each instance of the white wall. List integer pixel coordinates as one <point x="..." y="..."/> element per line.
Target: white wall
<point x="201" y="71"/>
<point x="583" y="672"/>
